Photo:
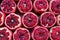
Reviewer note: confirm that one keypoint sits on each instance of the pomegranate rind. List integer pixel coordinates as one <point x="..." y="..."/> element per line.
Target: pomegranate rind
<point x="32" y="35"/>
<point x="21" y="10"/>
<point x="20" y="23"/>
<point x="14" y="8"/>
<point x="2" y="18"/>
<point x="27" y="14"/>
<point x="51" y="30"/>
<point x="7" y="30"/>
<point x="37" y="10"/>
<point x="22" y="30"/>
<point x="47" y="26"/>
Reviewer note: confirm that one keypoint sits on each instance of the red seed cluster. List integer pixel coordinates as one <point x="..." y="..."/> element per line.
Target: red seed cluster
<point x="29" y="19"/>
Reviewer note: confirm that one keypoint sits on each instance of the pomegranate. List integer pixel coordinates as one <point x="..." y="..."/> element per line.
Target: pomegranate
<point x="8" y="6"/>
<point x="13" y="21"/>
<point x="55" y="33"/>
<point x="29" y="20"/>
<point x="2" y="16"/>
<point x="40" y="6"/>
<point x="40" y="33"/>
<point x="47" y="19"/>
<point x="24" y="6"/>
<point x="55" y="6"/>
<point x="58" y="20"/>
<point x="5" y="34"/>
<point x="21" y="34"/>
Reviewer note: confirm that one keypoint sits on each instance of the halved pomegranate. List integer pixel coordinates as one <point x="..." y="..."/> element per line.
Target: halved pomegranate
<point x="47" y="19"/>
<point x="13" y="21"/>
<point x="58" y="20"/>
<point x="2" y="16"/>
<point x="55" y="6"/>
<point x="40" y="33"/>
<point x="21" y="34"/>
<point x="55" y="33"/>
<point x="30" y="20"/>
<point x="8" y="6"/>
<point x="5" y="34"/>
<point x="24" y="6"/>
<point x="40" y="6"/>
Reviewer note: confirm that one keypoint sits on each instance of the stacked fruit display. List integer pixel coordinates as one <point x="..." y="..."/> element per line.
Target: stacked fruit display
<point x="29" y="19"/>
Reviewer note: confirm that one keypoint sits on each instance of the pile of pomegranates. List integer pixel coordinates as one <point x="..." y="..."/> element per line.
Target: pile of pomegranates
<point x="29" y="19"/>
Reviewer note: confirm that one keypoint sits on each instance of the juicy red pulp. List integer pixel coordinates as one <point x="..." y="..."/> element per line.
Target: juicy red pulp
<point x="0" y="18"/>
<point x="7" y="5"/>
<point x="12" y="21"/>
<point x="41" y="4"/>
<point x="30" y="20"/>
<point x="4" y="35"/>
<point x="55" y="6"/>
<point x="25" y="5"/>
<point x="48" y="19"/>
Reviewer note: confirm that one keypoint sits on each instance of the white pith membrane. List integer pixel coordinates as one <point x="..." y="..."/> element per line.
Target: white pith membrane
<point x="35" y="32"/>
<point x="2" y="18"/>
<point x="8" y="31"/>
<point x="51" y="5"/>
<point x="19" y="20"/>
<point x="13" y="7"/>
<point x="47" y="24"/>
<point x="58" y="19"/>
<point x="22" y="30"/>
<point x="28" y="13"/>
<point x="40" y="4"/>
<point x="24" y="5"/>
<point x="51" y="31"/>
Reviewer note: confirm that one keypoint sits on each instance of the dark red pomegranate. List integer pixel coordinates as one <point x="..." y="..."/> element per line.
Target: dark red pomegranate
<point x="58" y="20"/>
<point x="55" y="6"/>
<point x="55" y="33"/>
<point x="47" y="19"/>
<point x="40" y="33"/>
<point x="21" y="34"/>
<point x="8" y="6"/>
<point x="29" y="20"/>
<point x="16" y="0"/>
<point x="40" y="6"/>
<point x="2" y="17"/>
<point x="24" y="6"/>
<point x="5" y="34"/>
<point x="13" y="21"/>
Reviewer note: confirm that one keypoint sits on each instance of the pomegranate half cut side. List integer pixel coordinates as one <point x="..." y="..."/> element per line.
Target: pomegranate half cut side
<point x="30" y="20"/>
<point x="8" y="6"/>
<point x="47" y="19"/>
<point x="40" y="6"/>
<point x="55" y="6"/>
<point x="24" y="6"/>
<point x="5" y="34"/>
<point x="58" y="20"/>
<point x="55" y="33"/>
<point x="13" y="21"/>
<point x="2" y="18"/>
<point x="40" y="33"/>
<point x="21" y="34"/>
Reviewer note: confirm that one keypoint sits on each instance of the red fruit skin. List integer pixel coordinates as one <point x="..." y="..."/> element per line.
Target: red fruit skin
<point x="3" y="18"/>
<point x="5" y="5"/>
<point x="26" y="18"/>
<point x="15" y="27"/>
<point x="54" y="6"/>
<point x="38" y="9"/>
<point x="58" y="20"/>
<point x="20" y="31"/>
<point x="7" y="32"/>
<point x="22" y="6"/>
<point x="16" y="0"/>
<point x="41" y="38"/>
<point x="54" y="33"/>
<point x="46" y="18"/>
